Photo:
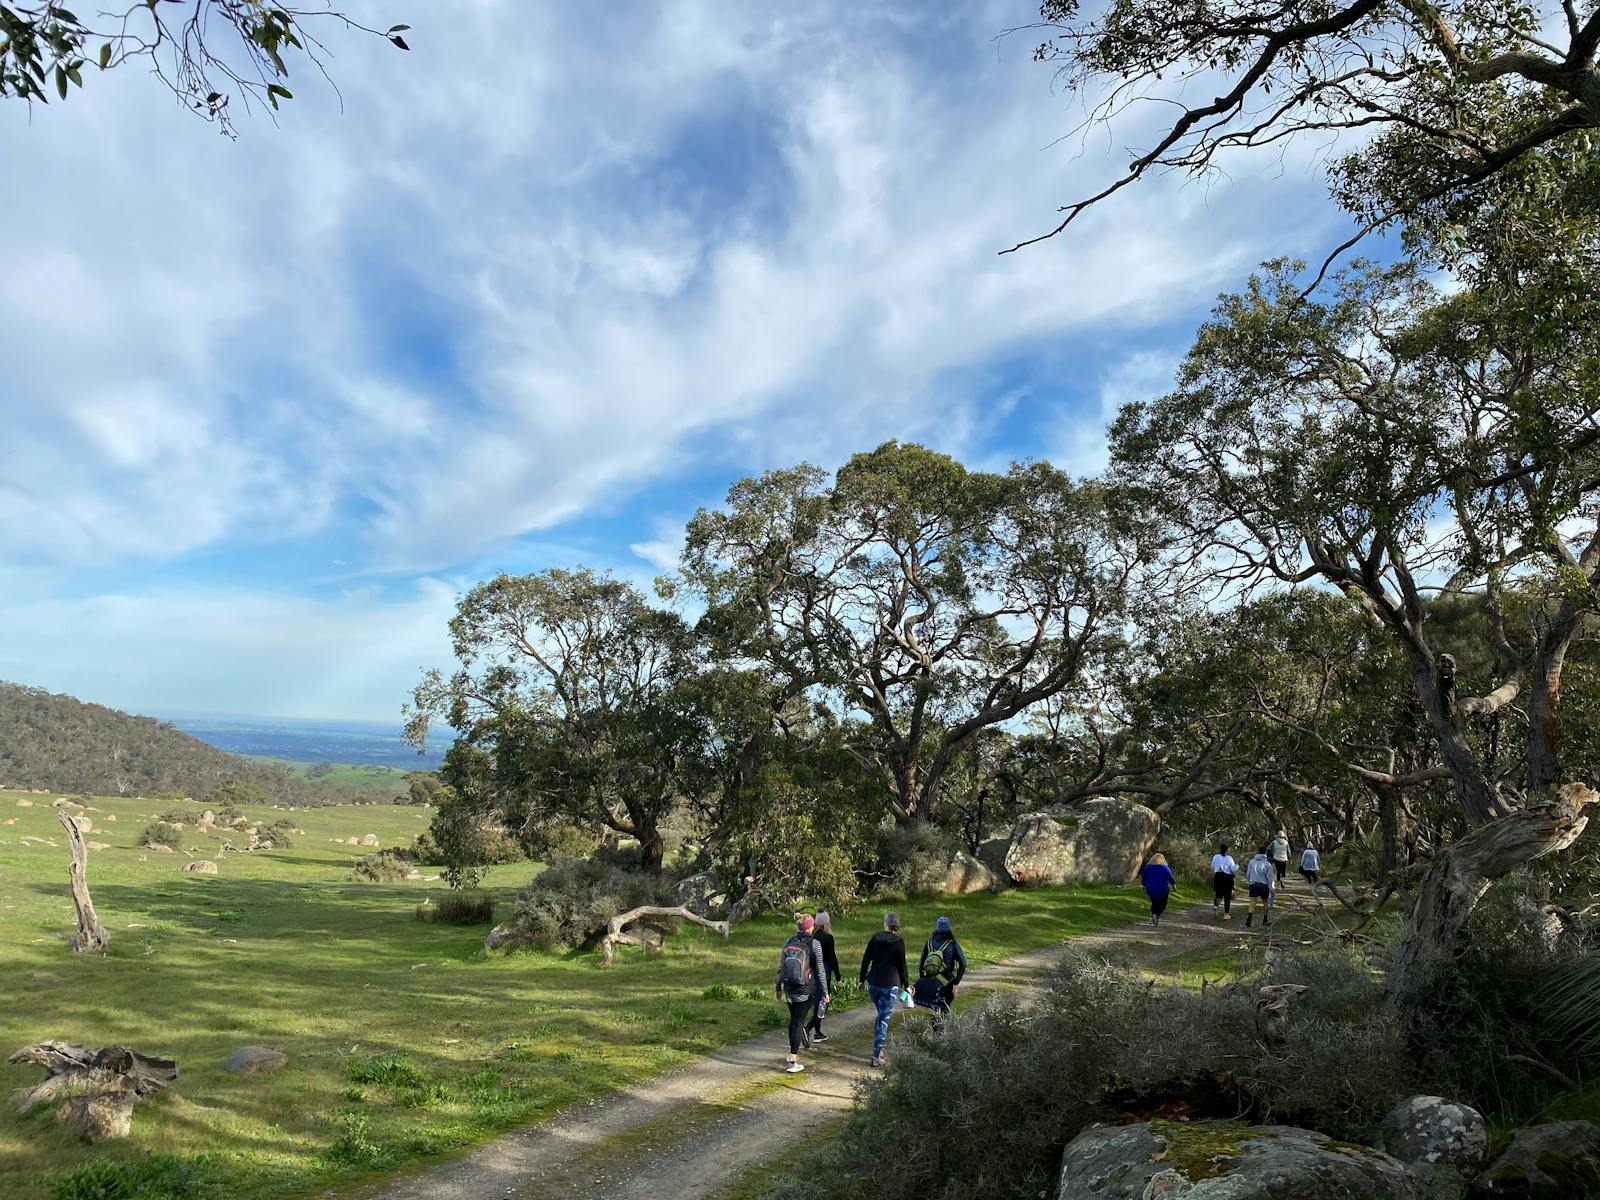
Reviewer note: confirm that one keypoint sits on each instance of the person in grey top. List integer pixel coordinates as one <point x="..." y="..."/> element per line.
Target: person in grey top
<point x="1278" y="852"/>
<point x="1262" y="877"/>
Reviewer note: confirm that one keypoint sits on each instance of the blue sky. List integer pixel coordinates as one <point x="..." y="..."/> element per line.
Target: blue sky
<point x="539" y="290"/>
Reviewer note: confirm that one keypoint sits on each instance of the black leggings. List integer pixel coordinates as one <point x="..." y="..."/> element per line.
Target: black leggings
<point x="797" y="1023"/>
<point x="1158" y="905"/>
<point x="1222" y="888"/>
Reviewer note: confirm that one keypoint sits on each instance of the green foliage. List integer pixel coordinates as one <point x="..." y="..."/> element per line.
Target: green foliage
<point x="913" y="860"/>
<point x="394" y="1069"/>
<point x="463" y="840"/>
<point x="161" y="834"/>
<point x="227" y="797"/>
<point x="152" y="1177"/>
<point x="568" y="904"/>
<point x="576" y="702"/>
<point x="386" y="866"/>
<point x="993" y="1100"/>
<point x="459" y="908"/>
<point x="199" y="54"/>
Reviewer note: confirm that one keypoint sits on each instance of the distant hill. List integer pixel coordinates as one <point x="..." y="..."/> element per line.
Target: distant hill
<point x="65" y="745"/>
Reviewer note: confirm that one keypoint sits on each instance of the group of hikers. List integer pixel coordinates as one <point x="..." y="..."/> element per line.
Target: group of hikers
<point x="808" y="964"/>
<point x="808" y="969"/>
<point x="1264" y="871"/>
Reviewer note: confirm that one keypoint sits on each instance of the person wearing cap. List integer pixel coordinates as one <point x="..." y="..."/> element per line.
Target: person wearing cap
<point x="802" y="976"/>
<point x="940" y="968"/>
<point x="830" y="959"/>
<point x="883" y="970"/>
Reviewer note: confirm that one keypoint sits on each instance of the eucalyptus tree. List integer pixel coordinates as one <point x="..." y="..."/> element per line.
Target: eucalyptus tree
<point x="1444" y="97"/>
<point x="206" y="53"/>
<point x="1404" y="444"/>
<point x="573" y="697"/>
<point x="925" y="603"/>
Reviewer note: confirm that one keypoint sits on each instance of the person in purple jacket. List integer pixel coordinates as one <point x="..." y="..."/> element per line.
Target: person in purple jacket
<point x="1159" y="883"/>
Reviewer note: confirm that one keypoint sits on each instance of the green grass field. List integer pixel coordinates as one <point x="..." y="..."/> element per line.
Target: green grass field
<point x="405" y="1039"/>
<point x="365" y="775"/>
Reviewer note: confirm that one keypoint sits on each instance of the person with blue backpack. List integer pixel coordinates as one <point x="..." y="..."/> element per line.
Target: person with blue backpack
<point x="802" y="979"/>
<point x="1159" y="882"/>
<point x="941" y="967"/>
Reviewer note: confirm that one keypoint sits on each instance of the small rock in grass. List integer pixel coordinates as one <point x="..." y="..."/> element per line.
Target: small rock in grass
<point x="201" y="866"/>
<point x="255" y="1060"/>
<point x="24" y="803"/>
<point x="370" y="840"/>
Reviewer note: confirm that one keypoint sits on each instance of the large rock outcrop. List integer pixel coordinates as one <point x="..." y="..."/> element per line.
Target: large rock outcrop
<point x="1225" y="1160"/>
<point x="966" y="874"/>
<point x="1557" y="1161"/>
<point x="1099" y="841"/>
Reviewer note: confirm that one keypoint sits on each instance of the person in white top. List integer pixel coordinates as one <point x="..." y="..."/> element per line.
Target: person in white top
<point x="1278" y="852"/>
<point x="1310" y="864"/>
<point x="1223" y="872"/>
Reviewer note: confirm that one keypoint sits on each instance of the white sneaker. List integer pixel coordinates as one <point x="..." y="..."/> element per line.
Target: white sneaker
<point x="794" y="1068"/>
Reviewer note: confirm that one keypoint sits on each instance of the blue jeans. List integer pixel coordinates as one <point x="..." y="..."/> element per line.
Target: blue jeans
<point x="883" y="1001"/>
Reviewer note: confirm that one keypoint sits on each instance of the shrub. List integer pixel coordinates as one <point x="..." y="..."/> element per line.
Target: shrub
<point x="281" y="832"/>
<point x="153" y="1177"/>
<point x="915" y="859"/>
<point x="162" y="833"/>
<point x="1187" y="855"/>
<point x="394" y="1069"/>
<point x="383" y="867"/>
<point x="426" y="850"/>
<point x="459" y="908"/>
<point x="995" y="1098"/>
<point x="568" y="903"/>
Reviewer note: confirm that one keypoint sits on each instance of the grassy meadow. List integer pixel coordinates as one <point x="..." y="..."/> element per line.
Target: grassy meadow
<point x="360" y="774"/>
<point x="405" y="1040"/>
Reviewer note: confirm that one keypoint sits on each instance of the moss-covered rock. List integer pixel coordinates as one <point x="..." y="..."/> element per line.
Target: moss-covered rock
<point x="1556" y="1161"/>
<point x="1099" y="841"/>
<point x="1225" y="1160"/>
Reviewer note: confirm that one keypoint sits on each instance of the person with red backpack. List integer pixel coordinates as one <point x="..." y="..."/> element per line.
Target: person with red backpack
<point x="802" y="978"/>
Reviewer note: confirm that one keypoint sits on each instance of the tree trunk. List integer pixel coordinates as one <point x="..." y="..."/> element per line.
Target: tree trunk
<point x="1463" y="871"/>
<point x="91" y="934"/>
<point x="1544" y="742"/>
<point x="1435" y="682"/>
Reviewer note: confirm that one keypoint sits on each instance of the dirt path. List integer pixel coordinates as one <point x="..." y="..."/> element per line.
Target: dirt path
<point x="699" y="1131"/>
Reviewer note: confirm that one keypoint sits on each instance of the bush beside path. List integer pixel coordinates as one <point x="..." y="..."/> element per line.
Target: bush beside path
<point x="706" y="1130"/>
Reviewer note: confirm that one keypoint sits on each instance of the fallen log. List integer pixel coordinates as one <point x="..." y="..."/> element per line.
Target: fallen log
<point x="96" y="1088"/>
<point x="1272" y="1012"/>
<point x="91" y="934"/>
<point x="617" y="932"/>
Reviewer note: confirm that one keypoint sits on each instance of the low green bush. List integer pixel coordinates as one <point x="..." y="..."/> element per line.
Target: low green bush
<point x="153" y="1177"/>
<point x="162" y="833"/>
<point x="394" y="1069"/>
<point x="994" y="1099"/>
<point x="568" y="904"/>
<point x="458" y="908"/>
<point x="914" y="860"/>
<point x="383" y="867"/>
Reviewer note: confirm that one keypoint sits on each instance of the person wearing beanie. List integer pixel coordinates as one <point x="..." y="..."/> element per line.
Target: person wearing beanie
<point x="941" y="967"/>
<point x="802" y="976"/>
<point x="830" y="961"/>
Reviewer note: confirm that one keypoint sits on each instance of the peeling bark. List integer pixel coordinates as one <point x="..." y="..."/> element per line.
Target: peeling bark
<point x="91" y="934"/>
<point x="1463" y="871"/>
<point x="96" y="1088"/>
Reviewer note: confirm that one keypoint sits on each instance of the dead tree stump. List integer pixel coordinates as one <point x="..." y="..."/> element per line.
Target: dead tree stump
<point x="617" y="932"/>
<point x="96" y="1088"/>
<point x="1272" y="1012"/>
<point x="91" y="934"/>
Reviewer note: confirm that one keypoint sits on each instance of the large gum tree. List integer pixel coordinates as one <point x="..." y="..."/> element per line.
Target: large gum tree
<point x="1404" y="445"/>
<point x="923" y="602"/>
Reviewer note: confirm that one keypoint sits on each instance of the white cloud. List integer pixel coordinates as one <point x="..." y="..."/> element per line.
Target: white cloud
<point x="1079" y="442"/>
<point x="355" y="655"/>
<point x="486" y="299"/>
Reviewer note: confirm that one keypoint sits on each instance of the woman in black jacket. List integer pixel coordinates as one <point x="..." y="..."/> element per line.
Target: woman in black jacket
<point x="883" y="970"/>
<point x="830" y="959"/>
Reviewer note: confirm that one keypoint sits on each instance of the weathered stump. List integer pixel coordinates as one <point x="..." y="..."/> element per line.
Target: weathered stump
<point x="618" y="933"/>
<point x="96" y="1088"/>
<point x="91" y="934"/>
